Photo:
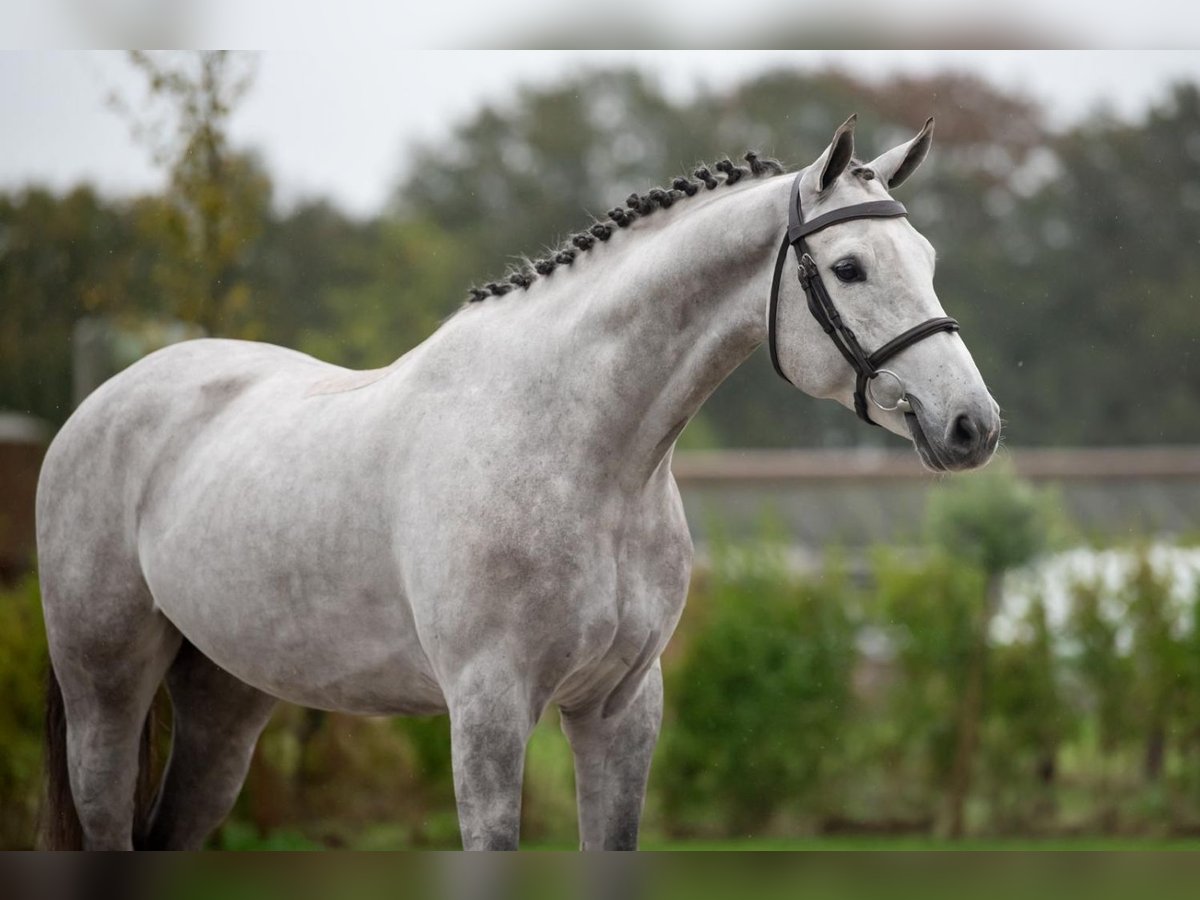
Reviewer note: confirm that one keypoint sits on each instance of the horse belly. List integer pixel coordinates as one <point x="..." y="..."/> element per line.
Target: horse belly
<point x="296" y="592"/>
<point x="353" y="652"/>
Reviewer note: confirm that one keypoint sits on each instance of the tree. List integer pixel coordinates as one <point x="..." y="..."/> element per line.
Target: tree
<point x="399" y="298"/>
<point x="993" y="523"/>
<point x="1156" y="656"/>
<point x="1027" y="718"/>
<point x="930" y="610"/>
<point x="1063" y="253"/>
<point x="1109" y="273"/>
<point x="1104" y="672"/>
<point x="61" y="257"/>
<point x="216" y="200"/>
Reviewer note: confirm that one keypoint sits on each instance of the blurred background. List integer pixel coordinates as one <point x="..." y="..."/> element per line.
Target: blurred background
<point x="871" y="656"/>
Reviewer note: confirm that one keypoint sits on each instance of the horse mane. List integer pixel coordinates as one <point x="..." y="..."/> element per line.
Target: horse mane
<point x="636" y="206"/>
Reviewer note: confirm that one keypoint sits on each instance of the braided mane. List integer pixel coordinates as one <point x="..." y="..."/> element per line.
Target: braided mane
<point x="636" y="206"/>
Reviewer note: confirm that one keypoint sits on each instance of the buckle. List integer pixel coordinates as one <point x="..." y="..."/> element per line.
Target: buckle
<point x="806" y="272"/>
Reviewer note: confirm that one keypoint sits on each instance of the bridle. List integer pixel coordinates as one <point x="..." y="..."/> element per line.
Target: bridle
<point x="867" y="366"/>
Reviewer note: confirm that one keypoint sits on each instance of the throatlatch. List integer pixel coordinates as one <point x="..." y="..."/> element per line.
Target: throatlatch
<point x="867" y="366"/>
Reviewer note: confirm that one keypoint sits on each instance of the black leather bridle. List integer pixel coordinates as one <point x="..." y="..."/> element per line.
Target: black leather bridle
<point x="867" y="366"/>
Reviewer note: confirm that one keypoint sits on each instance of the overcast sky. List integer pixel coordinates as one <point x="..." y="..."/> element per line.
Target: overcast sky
<point x="337" y="123"/>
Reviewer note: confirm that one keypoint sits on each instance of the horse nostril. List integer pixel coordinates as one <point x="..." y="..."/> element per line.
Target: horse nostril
<point x="965" y="433"/>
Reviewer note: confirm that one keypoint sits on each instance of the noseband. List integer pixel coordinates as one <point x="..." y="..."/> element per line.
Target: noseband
<point x="867" y="366"/>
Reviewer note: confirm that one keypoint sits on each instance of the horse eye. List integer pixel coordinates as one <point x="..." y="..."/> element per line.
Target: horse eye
<point x="847" y="270"/>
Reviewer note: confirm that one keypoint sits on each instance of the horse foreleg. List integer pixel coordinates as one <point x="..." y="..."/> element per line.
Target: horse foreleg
<point x="490" y="724"/>
<point x="216" y="723"/>
<point x="612" y="766"/>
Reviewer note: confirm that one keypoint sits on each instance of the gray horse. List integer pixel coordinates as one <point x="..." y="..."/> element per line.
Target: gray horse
<point x="483" y="528"/>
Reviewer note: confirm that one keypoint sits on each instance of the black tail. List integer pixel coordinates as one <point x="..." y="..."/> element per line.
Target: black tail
<point x="59" y="825"/>
<point x="146" y="791"/>
<point x="60" y="829"/>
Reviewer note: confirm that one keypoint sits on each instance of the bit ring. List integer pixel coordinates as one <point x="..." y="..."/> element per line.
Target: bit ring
<point x="901" y="404"/>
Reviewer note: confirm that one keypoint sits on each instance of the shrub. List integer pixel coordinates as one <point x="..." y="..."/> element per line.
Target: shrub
<point x="758" y="701"/>
<point x="928" y="608"/>
<point x="23" y="663"/>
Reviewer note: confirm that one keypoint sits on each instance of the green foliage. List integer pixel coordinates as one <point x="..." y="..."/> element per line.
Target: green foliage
<point x="548" y="795"/>
<point x="23" y="663"/>
<point x="243" y="836"/>
<point x="396" y="301"/>
<point x="1132" y="637"/>
<point x="1027" y="720"/>
<point x="989" y="519"/>
<point x="61" y="258"/>
<point x="760" y="700"/>
<point x="217" y="200"/>
<point x="928" y="608"/>
<point x="1104" y="671"/>
<point x="429" y="737"/>
<point x="698" y="435"/>
<point x="1187" y="711"/>
<point x="1157" y="656"/>
<point x="990" y="523"/>
<point x="1128" y="188"/>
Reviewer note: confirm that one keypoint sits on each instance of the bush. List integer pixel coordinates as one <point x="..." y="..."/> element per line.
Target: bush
<point x="991" y="520"/>
<point x="23" y="662"/>
<point x="759" y="700"/>
<point x="1027" y="720"/>
<point x="928" y="610"/>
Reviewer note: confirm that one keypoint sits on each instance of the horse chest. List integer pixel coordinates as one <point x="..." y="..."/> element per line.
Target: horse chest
<point x="632" y="620"/>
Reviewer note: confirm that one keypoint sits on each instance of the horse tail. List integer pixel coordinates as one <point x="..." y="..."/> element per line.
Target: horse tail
<point x="146" y="791"/>
<point x="60" y="826"/>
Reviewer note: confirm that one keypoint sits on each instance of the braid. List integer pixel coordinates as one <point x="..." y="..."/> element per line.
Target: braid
<point x="661" y="197"/>
<point x="760" y="166"/>
<point x="733" y="174"/>
<point x="706" y="176"/>
<point x="637" y="205"/>
<point x="622" y="217"/>
<point x="688" y="187"/>
<point x="643" y="203"/>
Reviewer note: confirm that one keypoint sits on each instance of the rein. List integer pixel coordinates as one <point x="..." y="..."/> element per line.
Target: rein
<point x="867" y="366"/>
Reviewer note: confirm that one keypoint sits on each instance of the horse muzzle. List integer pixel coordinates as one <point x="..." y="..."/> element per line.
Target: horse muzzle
<point x="967" y="441"/>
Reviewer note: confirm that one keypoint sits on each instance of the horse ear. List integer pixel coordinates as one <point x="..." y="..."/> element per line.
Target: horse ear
<point x="894" y="167"/>
<point x="832" y="163"/>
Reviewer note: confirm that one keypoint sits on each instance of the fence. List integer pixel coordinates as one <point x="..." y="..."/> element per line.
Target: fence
<point x="856" y="498"/>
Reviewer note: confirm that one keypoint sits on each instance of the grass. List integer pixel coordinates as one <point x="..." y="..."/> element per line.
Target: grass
<point x="905" y="843"/>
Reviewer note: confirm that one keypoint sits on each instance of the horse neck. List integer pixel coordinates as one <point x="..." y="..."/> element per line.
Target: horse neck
<point x="650" y="323"/>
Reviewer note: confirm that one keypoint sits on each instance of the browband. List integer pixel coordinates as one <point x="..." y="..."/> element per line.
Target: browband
<point x="876" y="209"/>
